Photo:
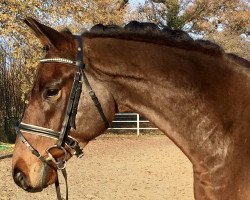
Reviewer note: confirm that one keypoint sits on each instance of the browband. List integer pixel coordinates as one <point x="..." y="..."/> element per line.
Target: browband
<point x="58" y="60"/>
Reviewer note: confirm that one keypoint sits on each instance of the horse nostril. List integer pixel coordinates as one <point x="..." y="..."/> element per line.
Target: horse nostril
<point x="20" y="180"/>
<point x="19" y="176"/>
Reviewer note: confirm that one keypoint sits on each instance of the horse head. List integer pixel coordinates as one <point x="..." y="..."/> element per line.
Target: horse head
<point x="67" y="106"/>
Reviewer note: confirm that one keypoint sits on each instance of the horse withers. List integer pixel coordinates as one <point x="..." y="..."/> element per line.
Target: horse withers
<point x="193" y="91"/>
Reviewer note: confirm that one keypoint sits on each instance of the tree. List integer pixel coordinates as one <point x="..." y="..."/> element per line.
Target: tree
<point x="75" y="15"/>
<point x="10" y="94"/>
<point x="225" y="22"/>
<point x="20" y="50"/>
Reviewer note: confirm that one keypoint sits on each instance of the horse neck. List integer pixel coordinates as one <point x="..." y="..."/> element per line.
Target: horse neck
<point x="188" y="95"/>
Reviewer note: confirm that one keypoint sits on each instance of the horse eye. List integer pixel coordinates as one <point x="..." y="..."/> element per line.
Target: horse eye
<point x="52" y="92"/>
<point x="46" y="48"/>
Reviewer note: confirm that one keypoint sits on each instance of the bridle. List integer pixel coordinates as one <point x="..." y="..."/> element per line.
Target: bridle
<point x="63" y="137"/>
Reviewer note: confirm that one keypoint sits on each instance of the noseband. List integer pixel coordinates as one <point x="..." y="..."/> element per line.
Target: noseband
<point x="63" y="137"/>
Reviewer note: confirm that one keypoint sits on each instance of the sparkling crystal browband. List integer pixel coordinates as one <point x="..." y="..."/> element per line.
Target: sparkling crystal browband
<point x="59" y="60"/>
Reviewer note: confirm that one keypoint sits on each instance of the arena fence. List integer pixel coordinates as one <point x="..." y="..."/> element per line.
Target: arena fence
<point x="131" y="121"/>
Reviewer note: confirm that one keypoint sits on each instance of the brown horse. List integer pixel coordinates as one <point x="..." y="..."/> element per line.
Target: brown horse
<point x="193" y="91"/>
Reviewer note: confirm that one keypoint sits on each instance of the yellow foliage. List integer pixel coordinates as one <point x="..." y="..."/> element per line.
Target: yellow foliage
<point x="25" y="49"/>
<point x="214" y="19"/>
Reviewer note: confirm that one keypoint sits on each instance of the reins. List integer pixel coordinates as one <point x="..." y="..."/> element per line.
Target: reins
<point x="63" y="137"/>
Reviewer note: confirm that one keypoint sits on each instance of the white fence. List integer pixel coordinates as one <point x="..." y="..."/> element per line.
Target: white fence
<point x="137" y="121"/>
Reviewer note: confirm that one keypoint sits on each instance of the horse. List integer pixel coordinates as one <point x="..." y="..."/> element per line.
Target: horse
<point x="192" y="90"/>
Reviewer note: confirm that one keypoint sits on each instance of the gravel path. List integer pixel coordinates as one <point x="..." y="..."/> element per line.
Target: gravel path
<point x="149" y="167"/>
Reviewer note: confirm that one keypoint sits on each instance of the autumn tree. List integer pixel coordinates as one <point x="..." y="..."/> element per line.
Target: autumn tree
<point x="222" y="21"/>
<point x="75" y="15"/>
<point x="20" y="50"/>
<point x="10" y="94"/>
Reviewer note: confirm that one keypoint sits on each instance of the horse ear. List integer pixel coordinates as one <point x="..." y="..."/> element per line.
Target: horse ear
<point x="47" y="35"/>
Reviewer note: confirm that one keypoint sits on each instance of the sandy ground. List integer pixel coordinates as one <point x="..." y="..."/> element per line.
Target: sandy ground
<point x="117" y="167"/>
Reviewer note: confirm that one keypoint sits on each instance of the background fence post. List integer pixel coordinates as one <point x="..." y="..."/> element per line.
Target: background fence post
<point x="138" y="124"/>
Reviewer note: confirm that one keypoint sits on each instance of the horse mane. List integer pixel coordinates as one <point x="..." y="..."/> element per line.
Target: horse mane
<point x="151" y="33"/>
<point x="239" y="60"/>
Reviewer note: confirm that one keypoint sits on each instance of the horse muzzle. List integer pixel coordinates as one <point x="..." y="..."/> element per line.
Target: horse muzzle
<point x="40" y="181"/>
<point x="22" y="181"/>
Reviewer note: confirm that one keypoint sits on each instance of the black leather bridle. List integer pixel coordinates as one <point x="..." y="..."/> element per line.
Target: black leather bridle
<point x="63" y="137"/>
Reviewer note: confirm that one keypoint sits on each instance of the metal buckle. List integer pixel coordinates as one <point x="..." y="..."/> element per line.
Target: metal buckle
<point x="59" y="162"/>
<point x="78" y="151"/>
